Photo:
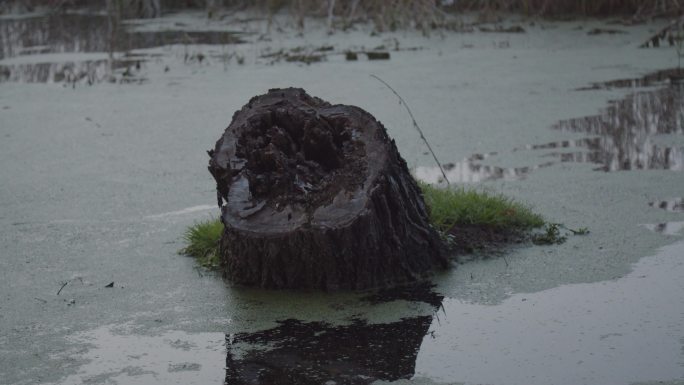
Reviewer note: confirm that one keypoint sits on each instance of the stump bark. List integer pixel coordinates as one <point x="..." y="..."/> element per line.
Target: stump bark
<point x="316" y="196"/>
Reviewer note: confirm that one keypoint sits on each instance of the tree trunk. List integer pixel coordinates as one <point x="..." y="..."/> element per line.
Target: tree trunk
<point x="318" y="197"/>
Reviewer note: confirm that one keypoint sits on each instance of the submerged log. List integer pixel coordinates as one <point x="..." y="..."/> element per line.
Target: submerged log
<point x="318" y="197"/>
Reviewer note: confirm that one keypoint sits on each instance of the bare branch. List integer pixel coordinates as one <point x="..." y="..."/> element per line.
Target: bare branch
<point x="415" y="124"/>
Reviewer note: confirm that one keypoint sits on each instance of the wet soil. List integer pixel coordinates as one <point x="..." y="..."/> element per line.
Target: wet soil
<point x="483" y="240"/>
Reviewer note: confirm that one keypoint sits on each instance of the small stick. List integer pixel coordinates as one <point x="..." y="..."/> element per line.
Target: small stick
<point x="415" y="124"/>
<point x="60" y="289"/>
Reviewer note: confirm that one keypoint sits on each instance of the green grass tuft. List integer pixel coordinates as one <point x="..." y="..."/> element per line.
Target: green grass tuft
<point x="447" y="208"/>
<point x="453" y="207"/>
<point x="202" y="240"/>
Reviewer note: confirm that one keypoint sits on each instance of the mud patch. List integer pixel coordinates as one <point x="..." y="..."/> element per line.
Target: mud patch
<point x="483" y="240"/>
<point x="297" y="352"/>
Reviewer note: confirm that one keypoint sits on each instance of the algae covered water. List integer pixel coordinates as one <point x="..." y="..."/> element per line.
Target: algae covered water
<point x="100" y="179"/>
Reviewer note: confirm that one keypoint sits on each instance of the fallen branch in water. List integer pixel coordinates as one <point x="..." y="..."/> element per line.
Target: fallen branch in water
<point x="60" y="289"/>
<point x="415" y="124"/>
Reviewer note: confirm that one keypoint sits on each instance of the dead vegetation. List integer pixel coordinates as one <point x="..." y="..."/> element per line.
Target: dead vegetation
<point x="384" y="14"/>
<point x="598" y="8"/>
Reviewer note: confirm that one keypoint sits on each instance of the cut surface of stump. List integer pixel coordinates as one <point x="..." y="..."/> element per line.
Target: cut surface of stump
<point x="316" y="196"/>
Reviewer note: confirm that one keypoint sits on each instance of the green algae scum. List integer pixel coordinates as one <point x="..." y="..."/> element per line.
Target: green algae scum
<point x="103" y="181"/>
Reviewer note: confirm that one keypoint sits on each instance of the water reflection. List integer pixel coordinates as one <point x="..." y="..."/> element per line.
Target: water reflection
<point x="53" y="34"/>
<point x="61" y="33"/>
<point x="657" y="78"/>
<point x="666" y="228"/>
<point x="82" y="33"/>
<point x="90" y="71"/>
<point x="470" y="171"/>
<point x="297" y="352"/>
<point x="625" y="133"/>
<point x="621" y="138"/>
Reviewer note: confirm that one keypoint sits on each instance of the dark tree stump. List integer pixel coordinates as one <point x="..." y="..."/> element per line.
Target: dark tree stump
<point x="318" y="197"/>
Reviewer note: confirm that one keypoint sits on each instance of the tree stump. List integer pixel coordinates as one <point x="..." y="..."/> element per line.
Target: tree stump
<point x="317" y="197"/>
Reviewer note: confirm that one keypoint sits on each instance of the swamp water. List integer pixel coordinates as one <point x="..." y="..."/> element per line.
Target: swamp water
<point x="44" y="48"/>
<point x="99" y="182"/>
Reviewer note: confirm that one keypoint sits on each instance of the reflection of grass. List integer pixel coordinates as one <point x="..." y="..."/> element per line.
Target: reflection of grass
<point x="202" y="242"/>
<point x="453" y="207"/>
<point x="448" y="208"/>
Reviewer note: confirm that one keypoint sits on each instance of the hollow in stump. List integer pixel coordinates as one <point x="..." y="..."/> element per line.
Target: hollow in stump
<point x="316" y="196"/>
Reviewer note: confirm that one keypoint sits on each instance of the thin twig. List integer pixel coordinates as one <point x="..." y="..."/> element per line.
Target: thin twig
<point x="505" y="260"/>
<point x="60" y="289"/>
<point x="415" y="124"/>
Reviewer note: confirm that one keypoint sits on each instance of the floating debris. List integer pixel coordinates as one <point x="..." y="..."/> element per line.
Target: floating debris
<point x="378" y="55"/>
<point x="306" y="55"/>
<point x="501" y="29"/>
<point x="419" y="292"/>
<point x="666" y="228"/>
<point x="605" y="31"/>
<point x="675" y="205"/>
<point x="351" y="56"/>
